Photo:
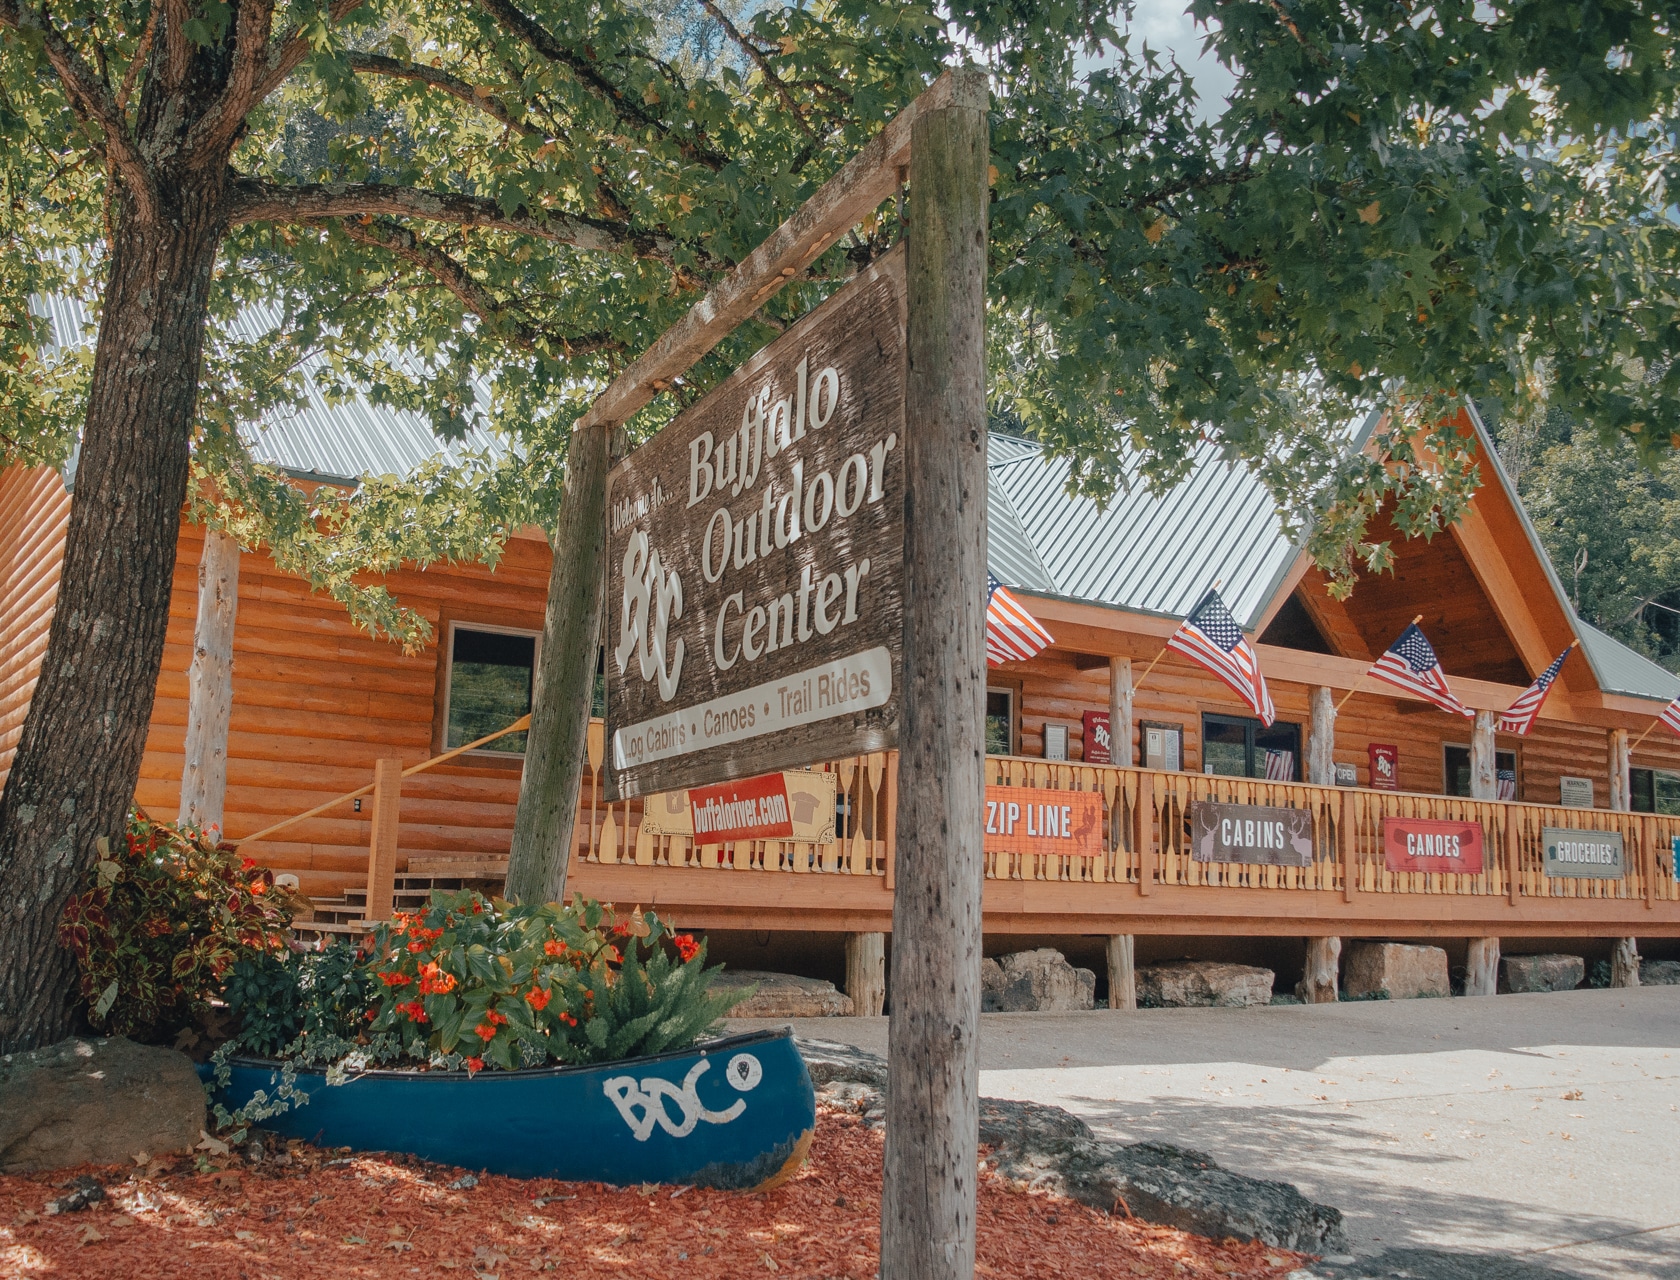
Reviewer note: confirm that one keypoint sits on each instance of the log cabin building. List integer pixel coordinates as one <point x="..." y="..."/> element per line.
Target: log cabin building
<point x="317" y="704"/>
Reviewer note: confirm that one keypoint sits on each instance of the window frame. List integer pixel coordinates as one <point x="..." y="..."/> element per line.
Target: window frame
<point x="1169" y="726"/>
<point x="492" y="628"/>
<point x="1498" y="751"/>
<point x="1251" y="726"/>
<point x="1011" y="689"/>
<point x="1652" y="772"/>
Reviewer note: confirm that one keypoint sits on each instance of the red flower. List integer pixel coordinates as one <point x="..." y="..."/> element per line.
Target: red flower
<point x="477" y="908"/>
<point x="568" y="1019"/>
<point x="620" y="931"/>
<point x="259" y="886"/>
<point x="538" y="998"/>
<point x="485" y="1032"/>
<point x="686" y="946"/>
<point x="415" y="1010"/>
<point x="246" y="864"/>
<point x="475" y="1064"/>
<point x="496" y="1019"/>
<point x="554" y="947"/>
<point x="418" y="947"/>
<point x="434" y="981"/>
<point x="395" y="979"/>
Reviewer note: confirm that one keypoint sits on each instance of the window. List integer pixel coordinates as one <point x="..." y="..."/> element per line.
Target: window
<point x="1457" y="764"/>
<point x="1243" y="748"/>
<point x="1000" y="722"/>
<point x="490" y="674"/>
<point x="1656" y="791"/>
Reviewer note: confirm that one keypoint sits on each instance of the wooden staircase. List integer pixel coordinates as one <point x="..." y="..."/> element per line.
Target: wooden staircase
<point x="346" y="915"/>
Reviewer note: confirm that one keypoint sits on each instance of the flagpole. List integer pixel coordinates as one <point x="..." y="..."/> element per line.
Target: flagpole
<point x="1138" y="683"/>
<point x="1355" y="687"/>
<point x="1643" y="736"/>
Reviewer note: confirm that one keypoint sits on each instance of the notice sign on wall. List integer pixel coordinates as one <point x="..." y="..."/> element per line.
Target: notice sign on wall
<point x="1098" y="748"/>
<point x="1385" y="766"/>
<point x="1590" y="855"/>
<point x="754" y="559"/>
<point x="1425" y="844"/>
<point x="1038" y="820"/>
<point x="1275" y="836"/>
<point x="794" y="805"/>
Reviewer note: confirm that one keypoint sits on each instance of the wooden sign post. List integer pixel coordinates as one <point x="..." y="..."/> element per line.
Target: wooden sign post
<point x="933" y="1116"/>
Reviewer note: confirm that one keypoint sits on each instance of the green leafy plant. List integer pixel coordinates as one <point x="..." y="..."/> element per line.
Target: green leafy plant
<point x="480" y="983"/>
<point x="161" y="923"/>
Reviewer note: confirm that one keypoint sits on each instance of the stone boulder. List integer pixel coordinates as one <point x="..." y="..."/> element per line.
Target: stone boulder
<point x="1040" y="981"/>
<point x="782" y="995"/>
<point x="1659" y="973"/>
<point x="1195" y="984"/>
<point x="96" y="1101"/>
<point x="1541" y="973"/>
<point x="1394" y="971"/>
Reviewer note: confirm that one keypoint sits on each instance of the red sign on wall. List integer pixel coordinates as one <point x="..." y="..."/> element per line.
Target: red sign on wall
<point x="1385" y="766"/>
<point x="1427" y="844"/>
<point x="1098" y="748"/>
<point x="751" y="809"/>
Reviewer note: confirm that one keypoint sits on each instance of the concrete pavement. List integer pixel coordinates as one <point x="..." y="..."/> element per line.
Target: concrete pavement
<point x="1527" y="1129"/>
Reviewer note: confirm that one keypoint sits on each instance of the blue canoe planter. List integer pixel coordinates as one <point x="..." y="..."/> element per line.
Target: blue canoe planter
<point x="737" y="1113"/>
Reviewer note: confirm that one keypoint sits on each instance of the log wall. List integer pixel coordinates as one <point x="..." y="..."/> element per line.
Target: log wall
<point x="34" y="511"/>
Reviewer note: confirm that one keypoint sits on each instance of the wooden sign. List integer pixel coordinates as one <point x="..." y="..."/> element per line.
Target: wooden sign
<point x="755" y="559"/>
<point x="795" y="805"/>
<point x="1098" y="749"/>
<point x="1385" y="766"/>
<point x="1036" y="820"/>
<point x="1267" y="834"/>
<point x="1427" y="844"/>
<point x="1583" y="855"/>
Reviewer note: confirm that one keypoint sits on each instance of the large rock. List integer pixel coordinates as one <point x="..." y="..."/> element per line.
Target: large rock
<point x="1056" y="1151"/>
<point x="1195" y="984"/>
<point x="783" y="995"/>
<point x="1541" y="973"/>
<point x="96" y="1101"/>
<point x="1040" y="981"/>
<point x="1394" y="971"/>
<point x="1659" y="973"/>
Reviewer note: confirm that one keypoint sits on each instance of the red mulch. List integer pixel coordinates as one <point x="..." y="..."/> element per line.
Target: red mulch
<point x="314" y="1214"/>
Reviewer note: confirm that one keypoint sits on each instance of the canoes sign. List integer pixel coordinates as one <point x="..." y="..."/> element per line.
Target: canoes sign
<point x="1250" y="833"/>
<point x="755" y="559"/>
<point x="1427" y="844"/>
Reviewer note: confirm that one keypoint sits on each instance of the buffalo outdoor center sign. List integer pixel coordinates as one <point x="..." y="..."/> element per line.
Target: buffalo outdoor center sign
<point x="755" y="555"/>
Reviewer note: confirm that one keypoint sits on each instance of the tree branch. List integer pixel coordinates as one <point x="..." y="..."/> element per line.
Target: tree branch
<point x="254" y="200"/>
<point x="91" y="99"/>
<point x="770" y="76"/>
<point x="379" y="64"/>
<point x="527" y="29"/>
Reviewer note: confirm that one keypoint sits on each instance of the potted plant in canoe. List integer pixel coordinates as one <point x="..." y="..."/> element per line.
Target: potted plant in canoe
<point x="547" y="1040"/>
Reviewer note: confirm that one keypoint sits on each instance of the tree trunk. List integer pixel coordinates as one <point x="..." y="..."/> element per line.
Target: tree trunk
<point x="928" y="1200"/>
<point x="1122" y="973"/>
<point x="1320" y="981"/>
<point x="1624" y="963"/>
<point x="866" y="973"/>
<point x="1321" y="740"/>
<point x="73" y="778"/>
<point x="1484" y="777"/>
<point x="1120" y="712"/>
<point x="554" y="753"/>
<point x="1481" y="967"/>
<point x="210" y="683"/>
<point x="1620" y="763"/>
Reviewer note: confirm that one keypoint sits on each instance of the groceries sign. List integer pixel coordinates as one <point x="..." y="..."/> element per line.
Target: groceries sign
<point x="1583" y="855"/>
<point x="754" y="559"/>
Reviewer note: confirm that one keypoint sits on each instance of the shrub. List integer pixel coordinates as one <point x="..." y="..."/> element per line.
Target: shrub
<point x="162" y="921"/>
<point x="488" y="983"/>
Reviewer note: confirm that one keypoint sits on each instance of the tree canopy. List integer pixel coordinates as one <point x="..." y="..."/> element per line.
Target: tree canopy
<point x="1400" y="204"/>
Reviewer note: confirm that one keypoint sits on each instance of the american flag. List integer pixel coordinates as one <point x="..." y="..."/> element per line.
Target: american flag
<point x="1211" y="636"/>
<point x="1520" y="716"/>
<point x="1280" y="766"/>
<point x="1411" y="664"/>
<point x="1012" y="634"/>
<point x="1507" y="779"/>
<point x="1671" y="717"/>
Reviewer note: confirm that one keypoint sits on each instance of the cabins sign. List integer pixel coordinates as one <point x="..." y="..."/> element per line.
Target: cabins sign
<point x="1275" y="836"/>
<point x="1590" y="855"/>
<point x="754" y="608"/>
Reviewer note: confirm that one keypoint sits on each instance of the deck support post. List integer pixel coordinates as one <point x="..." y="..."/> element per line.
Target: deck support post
<point x="1484" y="775"/>
<point x="210" y="683"/>
<point x="382" y="847"/>
<point x="1620" y="762"/>
<point x="1120" y="712"/>
<point x="1481" y="967"/>
<point x="866" y="973"/>
<point x="1624" y="963"/>
<point x="1321" y="739"/>
<point x="1320" y="982"/>
<point x="1122" y="976"/>
<point x="933" y="1105"/>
